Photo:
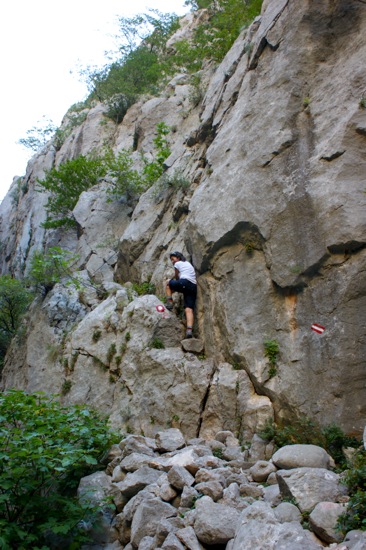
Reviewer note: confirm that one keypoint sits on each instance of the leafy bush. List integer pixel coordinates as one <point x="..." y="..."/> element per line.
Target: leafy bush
<point x="48" y="268"/>
<point x="173" y="180"/>
<point x="213" y="38"/>
<point x="65" y="185"/>
<point x="355" y="479"/>
<point x="156" y="343"/>
<point x="155" y="168"/>
<point x="271" y="351"/>
<point x="146" y="287"/>
<point x="14" y="301"/>
<point x="45" y="449"/>
<point x="118" y="106"/>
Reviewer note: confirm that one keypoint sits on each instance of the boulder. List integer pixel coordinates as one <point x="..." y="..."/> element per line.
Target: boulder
<point x="136" y="481"/>
<point x="188" y="497"/>
<point x="194" y="345"/>
<point x="309" y="486"/>
<point x="146" y="543"/>
<point x="298" y="456"/>
<point x="167" y="493"/>
<point x="212" y="489"/>
<point x="189" y="539"/>
<point x="261" y="470"/>
<point x="215" y="523"/>
<point x="323" y="521"/>
<point x="95" y="489"/>
<point x="169" y="440"/>
<point x="355" y="540"/>
<point x="134" y="461"/>
<point x="259" y="528"/>
<point x="179" y="477"/>
<point x="172" y="543"/>
<point x="135" y="444"/>
<point x="147" y="517"/>
<point x="166" y="526"/>
<point x="187" y="458"/>
<point x="286" y="512"/>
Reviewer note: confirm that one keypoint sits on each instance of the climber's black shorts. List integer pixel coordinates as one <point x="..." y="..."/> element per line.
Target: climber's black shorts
<point x="187" y="288"/>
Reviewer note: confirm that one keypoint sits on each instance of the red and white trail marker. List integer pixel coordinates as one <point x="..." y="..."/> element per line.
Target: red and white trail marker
<point x="317" y="328"/>
<point x="160" y="308"/>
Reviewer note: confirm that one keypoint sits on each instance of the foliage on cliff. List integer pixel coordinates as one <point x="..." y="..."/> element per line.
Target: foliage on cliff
<point x="213" y="38"/>
<point x="139" y="66"/>
<point x="66" y="182"/>
<point x="14" y="300"/>
<point x="145" y="61"/>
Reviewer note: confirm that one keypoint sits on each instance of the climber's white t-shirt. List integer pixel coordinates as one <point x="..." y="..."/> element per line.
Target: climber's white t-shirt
<point x="186" y="271"/>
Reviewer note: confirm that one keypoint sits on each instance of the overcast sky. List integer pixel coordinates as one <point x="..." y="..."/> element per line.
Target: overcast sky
<point x="42" y="44"/>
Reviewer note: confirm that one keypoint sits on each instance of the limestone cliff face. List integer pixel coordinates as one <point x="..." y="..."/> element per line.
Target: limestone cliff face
<point x="274" y="221"/>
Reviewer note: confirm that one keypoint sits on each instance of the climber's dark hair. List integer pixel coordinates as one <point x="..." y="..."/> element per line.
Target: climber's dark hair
<point x="178" y="255"/>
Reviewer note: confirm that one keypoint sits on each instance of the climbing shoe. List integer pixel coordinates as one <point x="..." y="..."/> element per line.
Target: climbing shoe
<point x="189" y="333"/>
<point x="169" y="305"/>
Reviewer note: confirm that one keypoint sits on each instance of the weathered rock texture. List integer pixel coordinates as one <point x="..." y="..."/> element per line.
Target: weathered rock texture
<point x="274" y="221"/>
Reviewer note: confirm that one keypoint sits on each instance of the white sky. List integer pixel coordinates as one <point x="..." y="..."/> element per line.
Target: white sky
<point x="42" y="44"/>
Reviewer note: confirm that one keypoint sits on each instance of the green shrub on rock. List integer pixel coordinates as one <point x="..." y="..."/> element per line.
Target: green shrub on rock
<point x="50" y="267"/>
<point x="355" y="479"/>
<point x="65" y="185"/>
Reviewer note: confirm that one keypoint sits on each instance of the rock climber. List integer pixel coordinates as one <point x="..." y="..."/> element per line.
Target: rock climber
<point x="185" y="282"/>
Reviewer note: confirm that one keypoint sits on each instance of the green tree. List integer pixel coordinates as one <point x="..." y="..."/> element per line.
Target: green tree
<point x="50" y="267"/>
<point x="14" y="301"/>
<point x="65" y="185"/>
<point x="38" y="136"/>
<point x="198" y="4"/>
<point x="45" y="448"/>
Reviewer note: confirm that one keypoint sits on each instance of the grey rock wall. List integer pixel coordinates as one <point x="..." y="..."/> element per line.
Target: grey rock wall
<point x="273" y="220"/>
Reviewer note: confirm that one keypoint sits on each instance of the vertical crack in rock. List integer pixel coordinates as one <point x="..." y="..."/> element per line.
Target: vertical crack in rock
<point x="204" y="401"/>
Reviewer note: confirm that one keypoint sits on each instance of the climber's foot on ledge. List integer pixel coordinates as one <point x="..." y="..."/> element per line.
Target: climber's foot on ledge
<point x="169" y="304"/>
<point x="189" y="333"/>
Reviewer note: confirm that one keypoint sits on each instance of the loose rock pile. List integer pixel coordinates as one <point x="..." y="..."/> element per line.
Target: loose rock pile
<point x="173" y="494"/>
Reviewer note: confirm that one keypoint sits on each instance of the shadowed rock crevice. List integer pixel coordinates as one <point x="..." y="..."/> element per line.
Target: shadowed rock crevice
<point x="244" y="233"/>
<point x="264" y="30"/>
<point x="350" y="247"/>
